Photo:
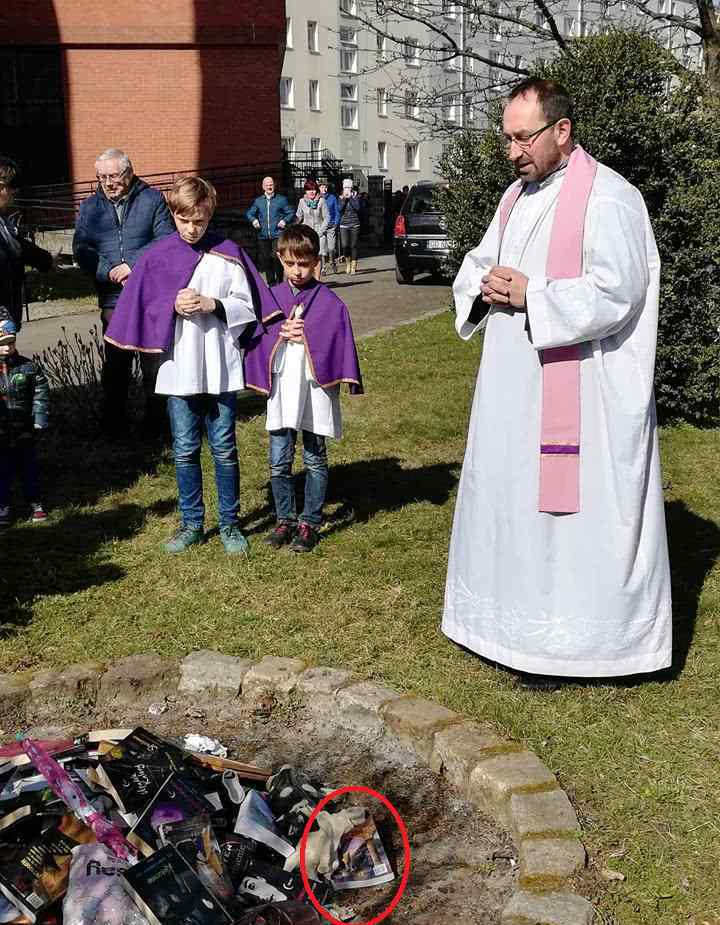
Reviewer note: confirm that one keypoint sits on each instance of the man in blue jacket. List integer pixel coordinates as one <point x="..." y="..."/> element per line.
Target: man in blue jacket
<point x="115" y="225"/>
<point x="269" y="214"/>
<point x="331" y="201"/>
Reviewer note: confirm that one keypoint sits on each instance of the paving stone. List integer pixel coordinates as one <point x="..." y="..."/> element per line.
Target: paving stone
<point x="137" y="681"/>
<point x="457" y="749"/>
<point x="414" y="722"/>
<point x="494" y="779"/>
<point x="547" y="863"/>
<point x="62" y="693"/>
<point x="273" y="672"/>
<point x="211" y="675"/>
<point x="542" y="814"/>
<point x="548" y="909"/>
<point x="320" y="685"/>
<point x="366" y="695"/>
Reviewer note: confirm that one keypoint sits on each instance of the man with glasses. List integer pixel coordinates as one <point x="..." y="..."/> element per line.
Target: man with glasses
<point x="115" y="225"/>
<point x="558" y="564"/>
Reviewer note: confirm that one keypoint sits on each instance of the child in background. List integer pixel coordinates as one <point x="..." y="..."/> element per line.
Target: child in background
<point x="24" y="398"/>
<point x="299" y="358"/>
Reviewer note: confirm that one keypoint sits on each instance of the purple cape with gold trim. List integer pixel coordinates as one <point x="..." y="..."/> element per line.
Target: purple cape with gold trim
<point x="144" y="317"/>
<point x="329" y="341"/>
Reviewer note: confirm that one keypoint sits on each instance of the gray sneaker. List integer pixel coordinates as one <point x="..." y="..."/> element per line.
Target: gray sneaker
<point x="184" y="538"/>
<point x="234" y="541"/>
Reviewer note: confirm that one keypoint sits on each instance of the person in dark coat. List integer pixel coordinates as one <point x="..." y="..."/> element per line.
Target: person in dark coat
<point x="16" y="252"/>
<point x="115" y="226"/>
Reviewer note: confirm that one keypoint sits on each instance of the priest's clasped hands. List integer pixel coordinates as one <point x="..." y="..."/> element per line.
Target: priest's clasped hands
<point x="189" y="302"/>
<point x="505" y="287"/>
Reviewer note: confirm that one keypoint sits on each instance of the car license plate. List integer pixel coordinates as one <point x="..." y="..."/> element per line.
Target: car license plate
<point x="436" y="245"/>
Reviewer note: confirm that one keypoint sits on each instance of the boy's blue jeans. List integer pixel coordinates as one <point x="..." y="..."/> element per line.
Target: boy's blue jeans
<point x="282" y="454"/>
<point x="20" y="459"/>
<point x="189" y="416"/>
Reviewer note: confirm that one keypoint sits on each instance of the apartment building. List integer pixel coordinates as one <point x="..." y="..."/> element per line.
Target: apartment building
<point x="386" y="100"/>
<point x="338" y="93"/>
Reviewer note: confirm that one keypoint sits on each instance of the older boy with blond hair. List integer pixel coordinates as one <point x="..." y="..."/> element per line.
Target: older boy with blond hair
<point x="190" y="297"/>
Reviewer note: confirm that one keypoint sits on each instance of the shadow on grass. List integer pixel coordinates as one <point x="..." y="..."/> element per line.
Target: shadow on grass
<point x="366" y="488"/>
<point x="60" y="557"/>
<point x="694" y="544"/>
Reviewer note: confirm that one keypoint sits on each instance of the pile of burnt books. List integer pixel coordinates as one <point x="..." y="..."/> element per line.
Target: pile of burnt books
<point x="122" y="827"/>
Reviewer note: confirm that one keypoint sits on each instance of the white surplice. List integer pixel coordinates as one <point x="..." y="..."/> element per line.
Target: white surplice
<point x="205" y="358"/>
<point x="574" y="595"/>
<point x="296" y="400"/>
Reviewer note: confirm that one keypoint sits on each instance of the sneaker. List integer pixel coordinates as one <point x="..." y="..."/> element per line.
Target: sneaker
<point x="281" y="535"/>
<point x="184" y="538"/>
<point x="39" y="514"/>
<point x="234" y="541"/>
<point x="306" y="539"/>
<point x="4" y="517"/>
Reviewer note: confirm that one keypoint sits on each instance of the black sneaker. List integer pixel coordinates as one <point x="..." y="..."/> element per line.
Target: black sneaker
<point x="281" y="535"/>
<point x="306" y="539"/>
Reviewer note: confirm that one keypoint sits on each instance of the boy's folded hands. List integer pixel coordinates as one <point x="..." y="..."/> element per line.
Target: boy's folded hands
<point x="189" y="302"/>
<point x="292" y="330"/>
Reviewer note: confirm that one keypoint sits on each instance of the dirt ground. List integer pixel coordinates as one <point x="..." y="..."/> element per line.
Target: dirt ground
<point x="462" y="866"/>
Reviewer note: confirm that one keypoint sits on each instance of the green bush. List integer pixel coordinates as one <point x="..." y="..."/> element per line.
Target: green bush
<point x="638" y="112"/>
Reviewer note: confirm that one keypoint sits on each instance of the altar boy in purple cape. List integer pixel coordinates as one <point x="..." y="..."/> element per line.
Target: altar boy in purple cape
<point x="299" y="356"/>
<point x="190" y="297"/>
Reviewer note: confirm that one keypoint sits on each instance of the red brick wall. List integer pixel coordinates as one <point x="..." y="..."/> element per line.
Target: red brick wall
<point x="173" y="109"/>
<point x="178" y="84"/>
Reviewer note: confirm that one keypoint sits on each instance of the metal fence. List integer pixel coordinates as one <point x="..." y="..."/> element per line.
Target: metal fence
<point x="53" y="207"/>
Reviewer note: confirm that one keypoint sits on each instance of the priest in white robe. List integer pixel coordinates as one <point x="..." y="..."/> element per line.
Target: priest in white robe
<point x="558" y="561"/>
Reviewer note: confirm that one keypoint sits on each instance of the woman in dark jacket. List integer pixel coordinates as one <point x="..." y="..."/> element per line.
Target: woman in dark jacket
<point x="350" y="227"/>
<point x="15" y="252"/>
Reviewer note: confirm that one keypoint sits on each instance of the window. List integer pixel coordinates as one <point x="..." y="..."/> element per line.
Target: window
<point x="349" y="106"/>
<point x="313" y="37"/>
<point x="348" y="50"/>
<point x="288" y="146"/>
<point x="449" y="8"/>
<point x="520" y="62"/>
<point x="569" y="24"/>
<point x="662" y="6"/>
<point x="585" y="27"/>
<point x="412" y="110"/>
<point x="540" y="21"/>
<point x="381" y="47"/>
<point x="288" y="33"/>
<point x="451" y="108"/>
<point x="411" y="53"/>
<point x="412" y="156"/>
<point x="315" y="150"/>
<point x="452" y="63"/>
<point x="382" y="155"/>
<point x="314" y="95"/>
<point x="287" y="93"/>
<point x="349" y="7"/>
<point x="382" y="101"/>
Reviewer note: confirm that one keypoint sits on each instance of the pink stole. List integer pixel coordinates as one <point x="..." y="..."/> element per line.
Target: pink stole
<point x="560" y="426"/>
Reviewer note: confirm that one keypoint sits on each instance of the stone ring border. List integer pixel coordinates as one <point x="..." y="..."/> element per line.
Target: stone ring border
<point x="503" y="779"/>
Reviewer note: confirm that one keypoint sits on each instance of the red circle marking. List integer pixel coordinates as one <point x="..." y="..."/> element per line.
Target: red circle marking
<point x="406" y="848"/>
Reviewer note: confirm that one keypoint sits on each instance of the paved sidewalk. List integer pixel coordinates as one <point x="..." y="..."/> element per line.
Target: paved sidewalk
<point x="376" y="302"/>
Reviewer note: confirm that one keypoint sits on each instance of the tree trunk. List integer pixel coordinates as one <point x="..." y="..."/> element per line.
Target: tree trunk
<point x="710" y="30"/>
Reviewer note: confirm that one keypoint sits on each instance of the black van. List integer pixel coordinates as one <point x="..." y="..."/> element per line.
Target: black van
<point x="420" y="235"/>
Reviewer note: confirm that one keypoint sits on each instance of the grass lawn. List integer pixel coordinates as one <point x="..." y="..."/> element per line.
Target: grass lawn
<point x="642" y="762"/>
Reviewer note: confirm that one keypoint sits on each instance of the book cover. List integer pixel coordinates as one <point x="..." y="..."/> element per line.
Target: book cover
<point x="256" y="821"/>
<point x="176" y="799"/>
<point x="169" y="892"/>
<point x="363" y="861"/>
<point x="195" y="840"/>
<point x="35" y="875"/>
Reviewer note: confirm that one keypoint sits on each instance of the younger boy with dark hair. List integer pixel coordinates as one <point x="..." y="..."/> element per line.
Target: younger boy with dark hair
<point x="299" y="356"/>
<point x="24" y="396"/>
